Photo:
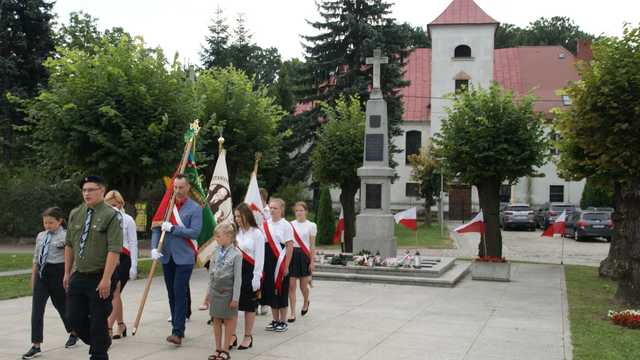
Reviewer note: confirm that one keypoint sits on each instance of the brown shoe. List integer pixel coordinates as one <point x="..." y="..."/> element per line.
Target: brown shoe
<point x="176" y="340"/>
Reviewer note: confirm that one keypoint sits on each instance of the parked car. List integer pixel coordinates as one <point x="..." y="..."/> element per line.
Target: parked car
<point x="605" y="209"/>
<point x="547" y="214"/>
<point x="589" y="224"/>
<point x="518" y="216"/>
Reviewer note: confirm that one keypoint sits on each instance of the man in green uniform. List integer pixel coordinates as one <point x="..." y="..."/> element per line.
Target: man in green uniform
<point x="92" y="250"/>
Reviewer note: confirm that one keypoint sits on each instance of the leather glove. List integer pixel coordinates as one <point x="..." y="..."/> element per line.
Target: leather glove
<point x="255" y="283"/>
<point x="166" y="226"/>
<point x="155" y="254"/>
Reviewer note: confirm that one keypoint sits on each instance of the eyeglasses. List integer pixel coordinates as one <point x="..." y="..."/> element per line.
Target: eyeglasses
<point x="90" y="190"/>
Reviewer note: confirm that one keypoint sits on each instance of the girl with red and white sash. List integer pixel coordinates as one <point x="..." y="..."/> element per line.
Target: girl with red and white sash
<point x="250" y="241"/>
<point x="278" y="251"/>
<point x="302" y="264"/>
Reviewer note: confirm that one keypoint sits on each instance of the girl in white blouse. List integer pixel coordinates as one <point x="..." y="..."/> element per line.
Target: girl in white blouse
<point x="250" y="241"/>
<point x="302" y="264"/>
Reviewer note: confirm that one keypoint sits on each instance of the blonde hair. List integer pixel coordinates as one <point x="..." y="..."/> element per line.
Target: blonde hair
<point x="280" y="203"/>
<point x="114" y="195"/>
<point x="302" y="204"/>
<point x="227" y="229"/>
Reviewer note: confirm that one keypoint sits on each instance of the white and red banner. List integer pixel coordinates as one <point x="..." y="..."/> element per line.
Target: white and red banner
<point x="253" y="199"/>
<point x="557" y="227"/>
<point x="407" y="218"/>
<point x="177" y="220"/>
<point x="280" y="254"/>
<point x="301" y="243"/>
<point x="338" y="236"/>
<point x="475" y="225"/>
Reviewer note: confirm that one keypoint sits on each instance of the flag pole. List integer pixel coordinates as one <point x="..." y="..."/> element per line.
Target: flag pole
<point x="255" y="164"/>
<point x="183" y="163"/>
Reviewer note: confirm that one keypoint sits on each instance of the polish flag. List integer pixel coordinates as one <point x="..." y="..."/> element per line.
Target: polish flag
<point x="475" y="225"/>
<point x="337" y="236"/>
<point x="557" y="227"/>
<point x="407" y="218"/>
<point x="253" y="199"/>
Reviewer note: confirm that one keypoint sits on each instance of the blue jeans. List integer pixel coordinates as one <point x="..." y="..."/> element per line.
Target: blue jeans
<point x="176" y="278"/>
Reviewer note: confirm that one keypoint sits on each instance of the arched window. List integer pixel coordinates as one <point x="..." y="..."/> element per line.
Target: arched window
<point x="413" y="144"/>
<point x="462" y="51"/>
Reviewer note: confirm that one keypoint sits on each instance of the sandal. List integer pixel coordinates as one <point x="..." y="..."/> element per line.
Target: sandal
<point x="224" y="355"/>
<point x="215" y="355"/>
<point x="242" y="347"/>
<point x="235" y="342"/>
<point x="203" y="307"/>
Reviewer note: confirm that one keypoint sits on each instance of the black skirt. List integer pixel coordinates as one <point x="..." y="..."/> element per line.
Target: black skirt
<point x="122" y="271"/>
<point x="248" y="298"/>
<point x="299" y="266"/>
<point x="269" y="296"/>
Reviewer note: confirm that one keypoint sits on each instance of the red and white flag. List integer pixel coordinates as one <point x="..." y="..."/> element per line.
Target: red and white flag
<point x="475" y="225"/>
<point x="408" y="218"/>
<point x="557" y="227"/>
<point x="253" y="199"/>
<point x="338" y="235"/>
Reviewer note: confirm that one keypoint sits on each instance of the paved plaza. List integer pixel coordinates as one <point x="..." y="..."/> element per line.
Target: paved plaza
<point x="523" y="319"/>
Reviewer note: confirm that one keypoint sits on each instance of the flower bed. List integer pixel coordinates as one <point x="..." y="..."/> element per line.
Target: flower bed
<point x="491" y="259"/>
<point x="626" y="318"/>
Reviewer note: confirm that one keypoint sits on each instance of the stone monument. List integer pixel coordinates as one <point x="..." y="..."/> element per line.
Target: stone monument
<point x="375" y="224"/>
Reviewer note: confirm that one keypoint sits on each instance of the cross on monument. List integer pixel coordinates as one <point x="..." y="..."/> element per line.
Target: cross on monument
<point x="376" y="60"/>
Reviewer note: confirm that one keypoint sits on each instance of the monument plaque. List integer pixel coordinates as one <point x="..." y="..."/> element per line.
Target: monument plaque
<point x="374" y="196"/>
<point x="374" y="145"/>
<point x="374" y="121"/>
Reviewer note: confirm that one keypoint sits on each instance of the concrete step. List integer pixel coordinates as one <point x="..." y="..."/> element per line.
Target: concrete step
<point x="448" y="279"/>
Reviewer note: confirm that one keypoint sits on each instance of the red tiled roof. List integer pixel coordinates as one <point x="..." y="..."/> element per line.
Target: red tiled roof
<point x="541" y="70"/>
<point x="417" y="96"/>
<point x="463" y="12"/>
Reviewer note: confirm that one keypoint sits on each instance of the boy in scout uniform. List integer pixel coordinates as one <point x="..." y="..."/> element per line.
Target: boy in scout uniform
<point x="92" y="250"/>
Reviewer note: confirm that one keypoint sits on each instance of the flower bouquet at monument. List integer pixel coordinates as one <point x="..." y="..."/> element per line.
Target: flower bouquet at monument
<point x="491" y="259"/>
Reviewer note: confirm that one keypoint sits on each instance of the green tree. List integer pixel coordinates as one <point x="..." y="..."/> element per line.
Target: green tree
<point x="508" y="36"/>
<point x="215" y="52"/>
<point x="425" y="170"/>
<point x="596" y="194"/>
<point x="347" y="34"/>
<point x="599" y="138"/>
<point x="248" y="119"/>
<point x="325" y="218"/>
<point x="558" y="30"/>
<point x="338" y="155"/>
<point x="489" y="139"/>
<point x="120" y="112"/>
<point x="26" y="40"/>
<point x="80" y="33"/>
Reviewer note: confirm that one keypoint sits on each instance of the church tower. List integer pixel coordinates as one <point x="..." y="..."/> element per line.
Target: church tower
<point x="462" y="39"/>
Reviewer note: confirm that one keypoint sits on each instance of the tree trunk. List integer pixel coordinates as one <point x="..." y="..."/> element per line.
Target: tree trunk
<point x="427" y="212"/>
<point x="623" y="262"/>
<point x="347" y="199"/>
<point x="489" y="194"/>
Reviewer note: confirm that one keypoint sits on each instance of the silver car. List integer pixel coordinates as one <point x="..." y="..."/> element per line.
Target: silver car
<point x="518" y="216"/>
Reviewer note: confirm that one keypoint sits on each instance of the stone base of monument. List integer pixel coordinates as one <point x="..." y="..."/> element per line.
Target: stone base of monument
<point x="433" y="271"/>
<point x="375" y="233"/>
<point x="491" y="271"/>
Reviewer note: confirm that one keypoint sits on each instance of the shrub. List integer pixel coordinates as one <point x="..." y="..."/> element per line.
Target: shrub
<point x="325" y="218"/>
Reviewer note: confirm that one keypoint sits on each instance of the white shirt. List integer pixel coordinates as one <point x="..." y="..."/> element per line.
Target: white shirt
<point x="305" y="230"/>
<point x="266" y="212"/>
<point x="281" y="231"/>
<point x="252" y="243"/>
<point x="130" y="237"/>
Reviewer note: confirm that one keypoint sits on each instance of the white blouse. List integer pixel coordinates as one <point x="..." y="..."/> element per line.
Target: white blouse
<point x="252" y="243"/>
<point x="281" y="231"/>
<point x="305" y="230"/>
<point x="130" y="237"/>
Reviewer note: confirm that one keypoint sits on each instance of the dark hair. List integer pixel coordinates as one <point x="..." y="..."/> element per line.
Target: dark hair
<point x="183" y="176"/>
<point x="56" y="213"/>
<point x="246" y="215"/>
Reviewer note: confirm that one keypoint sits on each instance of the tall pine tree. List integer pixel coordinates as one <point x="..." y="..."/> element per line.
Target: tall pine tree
<point x="25" y="42"/>
<point x="214" y="54"/>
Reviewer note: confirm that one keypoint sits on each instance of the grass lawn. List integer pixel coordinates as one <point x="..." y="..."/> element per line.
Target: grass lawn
<point x="14" y="286"/>
<point x="593" y="335"/>
<point x="15" y="261"/>
<point x="428" y="237"/>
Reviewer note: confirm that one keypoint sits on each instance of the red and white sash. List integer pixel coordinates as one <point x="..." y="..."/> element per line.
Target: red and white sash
<point x="280" y="254"/>
<point x="301" y="243"/>
<point x="246" y="257"/>
<point x="178" y="221"/>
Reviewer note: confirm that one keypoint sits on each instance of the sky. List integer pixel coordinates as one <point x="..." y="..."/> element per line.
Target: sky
<point x="181" y="26"/>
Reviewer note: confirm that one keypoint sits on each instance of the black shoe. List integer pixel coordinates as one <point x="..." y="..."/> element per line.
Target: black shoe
<point x="33" y="352"/>
<point x="291" y="320"/>
<point x="71" y="341"/>
<point x="235" y="342"/>
<point x="248" y="346"/>
<point x="281" y="327"/>
<point x="304" y="312"/>
<point x="271" y="326"/>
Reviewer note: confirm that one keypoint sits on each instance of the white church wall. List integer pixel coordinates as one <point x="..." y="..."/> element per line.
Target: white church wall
<point x="399" y="200"/>
<point x="444" y="39"/>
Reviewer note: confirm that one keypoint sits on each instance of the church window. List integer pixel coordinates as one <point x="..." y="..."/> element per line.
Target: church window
<point x="414" y="142"/>
<point x="462" y="51"/>
<point x="462" y="85"/>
